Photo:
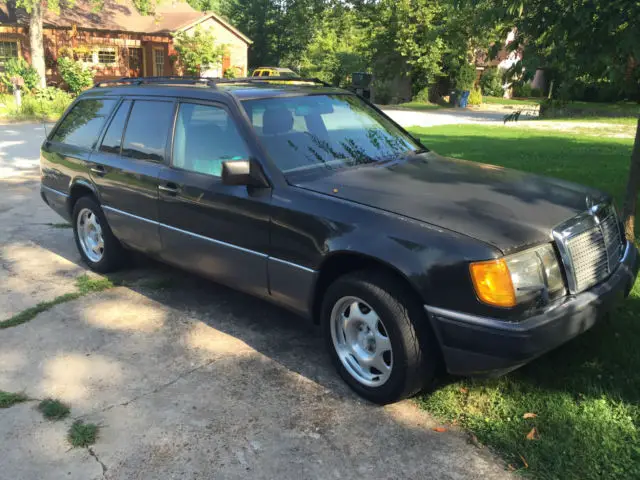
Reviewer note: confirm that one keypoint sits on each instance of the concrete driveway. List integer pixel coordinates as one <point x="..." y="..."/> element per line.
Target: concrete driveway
<point x="186" y="378"/>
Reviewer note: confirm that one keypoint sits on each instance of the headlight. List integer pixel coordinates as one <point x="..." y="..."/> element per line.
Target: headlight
<point x="519" y="278"/>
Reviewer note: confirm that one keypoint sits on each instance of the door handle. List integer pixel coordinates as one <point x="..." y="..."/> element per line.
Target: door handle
<point x="169" y="188"/>
<point x="98" y="170"/>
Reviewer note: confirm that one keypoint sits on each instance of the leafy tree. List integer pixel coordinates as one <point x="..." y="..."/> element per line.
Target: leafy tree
<point x="280" y="29"/>
<point x="558" y="35"/>
<point x="337" y="49"/>
<point x="35" y="10"/>
<point x="204" y="5"/>
<point x="198" y="50"/>
<point x="145" y="7"/>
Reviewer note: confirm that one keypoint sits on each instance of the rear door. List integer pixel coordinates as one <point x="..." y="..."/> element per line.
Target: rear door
<point x="66" y="153"/>
<point x="126" y="167"/>
<point x="221" y="231"/>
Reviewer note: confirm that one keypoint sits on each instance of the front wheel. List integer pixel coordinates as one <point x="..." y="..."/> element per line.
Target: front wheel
<point x="378" y="337"/>
<point x="97" y="245"/>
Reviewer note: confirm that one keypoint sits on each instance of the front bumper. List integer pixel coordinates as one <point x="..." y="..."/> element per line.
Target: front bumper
<point x="480" y="345"/>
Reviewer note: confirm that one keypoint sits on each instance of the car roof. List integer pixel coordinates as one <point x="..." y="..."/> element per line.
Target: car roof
<point x="277" y="69"/>
<point x="242" y="90"/>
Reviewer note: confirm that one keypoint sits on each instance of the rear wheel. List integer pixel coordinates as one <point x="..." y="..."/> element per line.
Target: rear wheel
<point x="97" y="245"/>
<point x="378" y="336"/>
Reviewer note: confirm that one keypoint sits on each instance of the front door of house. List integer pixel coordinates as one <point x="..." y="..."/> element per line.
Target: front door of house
<point x="136" y="68"/>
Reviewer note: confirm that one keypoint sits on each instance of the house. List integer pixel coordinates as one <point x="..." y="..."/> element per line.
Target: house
<point x="116" y="40"/>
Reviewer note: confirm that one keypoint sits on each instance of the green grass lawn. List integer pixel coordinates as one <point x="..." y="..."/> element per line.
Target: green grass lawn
<point x="586" y="394"/>
<point x="419" y="106"/>
<point x="511" y="101"/>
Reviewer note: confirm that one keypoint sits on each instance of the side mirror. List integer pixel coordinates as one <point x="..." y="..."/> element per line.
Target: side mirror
<point x="243" y="172"/>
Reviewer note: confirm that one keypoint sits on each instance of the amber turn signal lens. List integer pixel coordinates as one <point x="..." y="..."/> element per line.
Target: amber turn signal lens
<point x="492" y="281"/>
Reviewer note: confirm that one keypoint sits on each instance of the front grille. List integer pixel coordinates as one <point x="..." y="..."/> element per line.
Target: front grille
<point x="591" y="246"/>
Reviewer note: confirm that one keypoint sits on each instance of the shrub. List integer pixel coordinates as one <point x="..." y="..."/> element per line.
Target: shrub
<point x="537" y="93"/>
<point x="465" y="77"/>
<point x="198" y="51"/>
<point x="491" y="82"/>
<point x="522" y="90"/>
<point x="18" y="67"/>
<point x="422" y="96"/>
<point x="475" y="97"/>
<point x="229" y="73"/>
<point x="75" y="74"/>
<point x="48" y="102"/>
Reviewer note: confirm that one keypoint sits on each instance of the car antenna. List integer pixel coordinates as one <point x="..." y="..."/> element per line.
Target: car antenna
<point x="44" y="124"/>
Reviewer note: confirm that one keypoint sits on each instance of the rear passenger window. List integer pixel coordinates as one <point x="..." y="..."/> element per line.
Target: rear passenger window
<point x="82" y="125"/>
<point x="113" y="138"/>
<point x="147" y="130"/>
<point x="205" y="137"/>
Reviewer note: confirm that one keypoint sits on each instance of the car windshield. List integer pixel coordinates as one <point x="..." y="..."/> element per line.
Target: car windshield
<point x="325" y="131"/>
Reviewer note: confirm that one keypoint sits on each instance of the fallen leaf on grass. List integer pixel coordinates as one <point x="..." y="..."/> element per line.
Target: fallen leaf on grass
<point x="529" y="415"/>
<point x="440" y="429"/>
<point x="526" y="465"/>
<point x="533" y="434"/>
<point x="464" y="390"/>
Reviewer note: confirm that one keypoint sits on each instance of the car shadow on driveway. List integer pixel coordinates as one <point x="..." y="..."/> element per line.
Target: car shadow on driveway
<point x="174" y="359"/>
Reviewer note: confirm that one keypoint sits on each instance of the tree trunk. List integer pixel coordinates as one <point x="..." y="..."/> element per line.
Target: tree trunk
<point x="36" y="41"/>
<point x="633" y="183"/>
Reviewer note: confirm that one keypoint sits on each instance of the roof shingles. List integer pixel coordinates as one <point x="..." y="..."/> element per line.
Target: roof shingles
<point x="114" y="15"/>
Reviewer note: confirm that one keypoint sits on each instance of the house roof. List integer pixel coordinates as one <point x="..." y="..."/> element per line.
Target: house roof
<point x="118" y="15"/>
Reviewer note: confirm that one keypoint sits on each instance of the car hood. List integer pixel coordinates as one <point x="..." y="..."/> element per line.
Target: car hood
<point x="505" y="208"/>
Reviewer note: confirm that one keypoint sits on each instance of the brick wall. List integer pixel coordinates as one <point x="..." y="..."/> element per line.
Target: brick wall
<point x="60" y="38"/>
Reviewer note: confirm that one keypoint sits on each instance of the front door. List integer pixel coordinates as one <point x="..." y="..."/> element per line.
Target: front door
<point x="126" y="170"/>
<point x="221" y="231"/>
<point x="136" y="63"/>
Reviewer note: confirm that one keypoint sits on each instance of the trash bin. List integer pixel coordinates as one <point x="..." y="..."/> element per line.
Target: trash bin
<point x="361" y="84"/>
<point x="453" y="98"/>
<point x="464" y="98"/>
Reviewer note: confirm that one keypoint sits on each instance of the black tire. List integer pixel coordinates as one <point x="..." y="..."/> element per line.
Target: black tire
<point x="415" y="354"/>
<point x="114" y="255"/>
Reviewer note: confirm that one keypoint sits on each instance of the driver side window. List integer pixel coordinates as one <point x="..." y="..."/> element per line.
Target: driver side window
<point x="206" y="136"/>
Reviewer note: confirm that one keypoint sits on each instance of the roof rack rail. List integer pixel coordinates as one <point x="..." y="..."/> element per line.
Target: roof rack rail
<point x="210" y="82"/>
<point x="149" y="80"/>
<point x="272" y="79"/>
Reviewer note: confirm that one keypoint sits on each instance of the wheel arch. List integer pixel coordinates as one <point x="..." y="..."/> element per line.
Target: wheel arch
<point x="344" y="262"/>
<point x="80" y="187"/>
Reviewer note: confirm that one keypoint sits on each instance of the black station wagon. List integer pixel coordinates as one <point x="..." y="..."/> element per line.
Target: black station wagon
<point x="309" y="197"/>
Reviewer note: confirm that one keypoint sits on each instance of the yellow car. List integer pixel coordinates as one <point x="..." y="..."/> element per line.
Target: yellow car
<point x="274" y="72"/>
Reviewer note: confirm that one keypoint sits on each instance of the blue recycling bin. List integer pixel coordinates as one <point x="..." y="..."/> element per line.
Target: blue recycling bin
<point x="464" y="98"/>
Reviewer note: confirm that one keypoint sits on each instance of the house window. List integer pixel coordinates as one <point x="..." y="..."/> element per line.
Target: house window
<point x="97" y="55"/>
<point x="106" y="56"/>
<point x="86" y="57"/>
<point x="8" y="50"/>
<point x="158" y="62"/>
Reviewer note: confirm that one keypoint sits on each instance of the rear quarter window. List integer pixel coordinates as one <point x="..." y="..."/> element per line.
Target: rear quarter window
<point x="81" y="126"/>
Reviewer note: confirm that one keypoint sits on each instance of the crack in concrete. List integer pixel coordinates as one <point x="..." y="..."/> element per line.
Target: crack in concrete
<point x="94" y="455"/>
<point x="157" y="389"/>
